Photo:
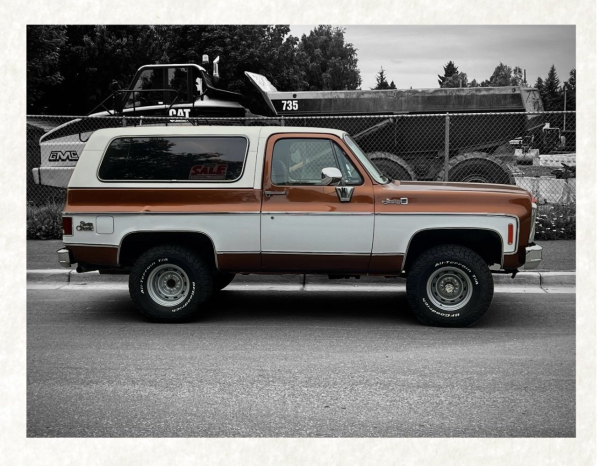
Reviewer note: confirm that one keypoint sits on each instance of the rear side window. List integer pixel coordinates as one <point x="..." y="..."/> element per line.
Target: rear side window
<point x="219" y="159"/>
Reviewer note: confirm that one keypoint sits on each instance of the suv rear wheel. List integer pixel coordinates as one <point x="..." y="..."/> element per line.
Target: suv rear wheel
<point x="449" y="286"/>
<point x="170" y="282"/>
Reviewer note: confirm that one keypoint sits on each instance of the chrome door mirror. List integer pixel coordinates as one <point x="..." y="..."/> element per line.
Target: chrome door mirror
<point x="330" y="175"/>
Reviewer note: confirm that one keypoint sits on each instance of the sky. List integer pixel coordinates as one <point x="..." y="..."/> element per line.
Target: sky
<point x="415" y="55"/>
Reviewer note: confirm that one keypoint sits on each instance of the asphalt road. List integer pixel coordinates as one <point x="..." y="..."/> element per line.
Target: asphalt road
<point x="298" y="364"/>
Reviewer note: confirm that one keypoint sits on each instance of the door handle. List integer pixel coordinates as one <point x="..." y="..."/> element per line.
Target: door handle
<point x="275" y="193"/>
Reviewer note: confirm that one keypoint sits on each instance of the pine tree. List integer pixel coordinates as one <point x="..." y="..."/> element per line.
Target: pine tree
<point x="571" y="91"/>
<point x="449" y="70"/>
<point x="381" y="81"/>
<point x="539" y="85"/>
<point x="553" y="98"/>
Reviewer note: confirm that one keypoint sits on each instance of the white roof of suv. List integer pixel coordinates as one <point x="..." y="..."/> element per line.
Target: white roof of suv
<point x="85" y="174"/>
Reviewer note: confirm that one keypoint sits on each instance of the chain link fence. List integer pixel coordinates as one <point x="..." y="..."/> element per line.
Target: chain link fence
<point x="535" y="151"/>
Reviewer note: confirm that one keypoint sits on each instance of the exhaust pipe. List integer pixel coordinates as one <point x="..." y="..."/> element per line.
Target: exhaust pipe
<point x="82" y="268"/>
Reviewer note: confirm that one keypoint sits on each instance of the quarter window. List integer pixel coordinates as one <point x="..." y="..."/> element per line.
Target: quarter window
<point x="217" y="159"/>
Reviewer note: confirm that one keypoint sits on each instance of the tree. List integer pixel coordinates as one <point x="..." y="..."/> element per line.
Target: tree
<point x="456" y="80"/>
<point x="258" y="49"/>
<point x="571" y="91"/>
<point x="473" y="83"/>
<point x="539" y="85"/>
<point x="517" y="77"/>
<point x="328" y="61"/>
<point x="449" y="70"/>
<point x="44" y="45"/>
<point x="381" y="81"/>
<point x="501" y="76"/>
<point x="95" y="55"/>
<point x="572" y="79"/>
<point x="504" y="75"/>
<point x="553" y="96"/>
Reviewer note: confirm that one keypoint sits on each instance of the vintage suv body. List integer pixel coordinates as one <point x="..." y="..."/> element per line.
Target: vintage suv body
<point x="183" y="209"/>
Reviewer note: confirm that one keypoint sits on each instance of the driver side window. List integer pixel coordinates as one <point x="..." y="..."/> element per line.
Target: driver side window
<point x="301" y="161"/>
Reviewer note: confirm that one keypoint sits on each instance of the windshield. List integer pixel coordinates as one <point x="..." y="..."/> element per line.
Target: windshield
<point x="372" y="169"/>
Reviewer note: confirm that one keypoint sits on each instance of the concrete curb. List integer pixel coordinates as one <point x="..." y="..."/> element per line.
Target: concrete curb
<point x="558" y="279"/>
<point x="521" y="280"/>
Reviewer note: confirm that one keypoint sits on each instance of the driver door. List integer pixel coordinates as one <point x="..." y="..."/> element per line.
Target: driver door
<point x="306" y="225"/>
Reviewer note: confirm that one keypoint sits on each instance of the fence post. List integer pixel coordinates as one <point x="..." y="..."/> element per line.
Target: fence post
<point x="447" y="147"/>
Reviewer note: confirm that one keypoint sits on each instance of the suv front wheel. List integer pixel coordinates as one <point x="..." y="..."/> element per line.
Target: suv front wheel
<point x="449" y="286"/>
<point x="170" y="282"/>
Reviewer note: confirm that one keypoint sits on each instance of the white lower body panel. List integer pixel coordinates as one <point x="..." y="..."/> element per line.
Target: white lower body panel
<point x="394" y="232"/>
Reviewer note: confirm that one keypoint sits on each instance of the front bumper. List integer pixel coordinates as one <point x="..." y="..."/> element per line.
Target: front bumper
<point x="533" y="257"/>
<point x="64" y="257"/>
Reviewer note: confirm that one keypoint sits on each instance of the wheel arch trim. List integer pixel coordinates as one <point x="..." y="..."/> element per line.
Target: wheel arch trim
<point x="167" y="232"/>
<point x="405" y="261"/>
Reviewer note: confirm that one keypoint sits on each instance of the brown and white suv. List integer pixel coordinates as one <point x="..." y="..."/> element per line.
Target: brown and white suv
<point x="183" y="209"/>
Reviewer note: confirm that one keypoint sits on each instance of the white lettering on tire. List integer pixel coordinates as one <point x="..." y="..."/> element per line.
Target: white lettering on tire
<point x="188" y="300"/>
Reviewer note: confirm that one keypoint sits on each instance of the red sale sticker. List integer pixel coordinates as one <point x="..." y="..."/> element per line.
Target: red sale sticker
<point x="209" y="171"/>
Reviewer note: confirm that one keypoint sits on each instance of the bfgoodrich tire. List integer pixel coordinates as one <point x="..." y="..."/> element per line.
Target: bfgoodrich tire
<point x="449" y="286"/>
<point x="169" y="283"/>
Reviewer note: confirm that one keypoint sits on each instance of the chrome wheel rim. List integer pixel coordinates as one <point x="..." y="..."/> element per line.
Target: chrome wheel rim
<point x="449" y="288"/>
<point x="168" y="285"/>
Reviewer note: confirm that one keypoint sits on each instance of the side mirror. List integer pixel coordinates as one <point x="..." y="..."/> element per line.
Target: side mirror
<point x="330" y="175"/>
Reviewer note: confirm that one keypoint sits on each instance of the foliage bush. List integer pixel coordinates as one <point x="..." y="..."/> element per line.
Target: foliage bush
<point x="555" y="222"/>
<point x="44" y="222"/>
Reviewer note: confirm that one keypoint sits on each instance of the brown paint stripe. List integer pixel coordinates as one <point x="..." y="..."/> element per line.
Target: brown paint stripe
<point x="239" y="262"/>
<point x="386" y="264"/>
<point x="162" y="200"/>
<point x="309" y="263"/>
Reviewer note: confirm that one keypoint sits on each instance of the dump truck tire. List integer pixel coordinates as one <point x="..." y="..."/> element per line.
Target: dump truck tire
<point x="477" y="167"/>
<point x="392" y="166"/>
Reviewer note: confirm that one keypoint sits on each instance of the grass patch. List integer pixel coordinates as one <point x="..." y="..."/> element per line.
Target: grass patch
<point x="555" y="222"/>
<point x="45" y="221"/>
